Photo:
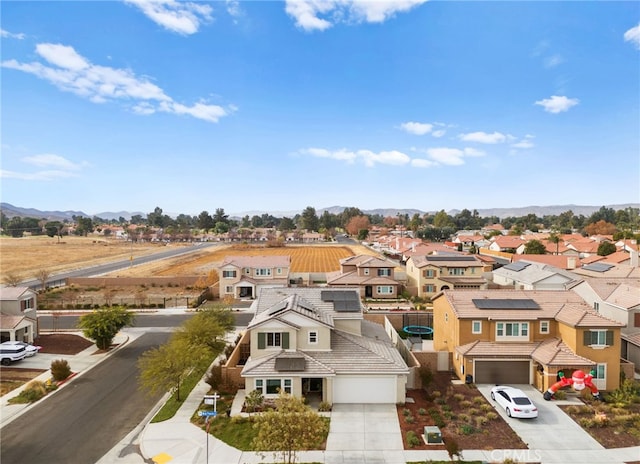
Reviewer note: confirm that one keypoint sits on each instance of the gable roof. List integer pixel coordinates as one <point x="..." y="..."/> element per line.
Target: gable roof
<point x="559" y="261"/>
<point x="13" y="293"/>
<point x="257" y="261"/>
<point x="446" y="260"/>
<point x="277" y="309"/>
<point x="366" y="261"/>
<point x="530" y="272"/>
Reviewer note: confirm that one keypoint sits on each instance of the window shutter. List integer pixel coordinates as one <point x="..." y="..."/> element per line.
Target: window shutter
<point x="609" y="337"/>
<point x="636" y="320"/>
<point x="285" y="340"/>
<point x="587" y="337"/>
<point x="261" y="341"/>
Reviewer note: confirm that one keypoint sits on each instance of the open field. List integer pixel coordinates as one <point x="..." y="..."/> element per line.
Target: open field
<point x="27" y="256"/>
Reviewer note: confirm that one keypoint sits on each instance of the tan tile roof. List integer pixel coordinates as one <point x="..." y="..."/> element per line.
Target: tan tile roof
<point x="366" y="261"/>
<point x="561" y="262"/>
<point x="619" y="271"/>
<point x="581" y="315"/>
<point x="592" y="259"/>
<point x="497" y="350"/>
<point x="464" y="280"/>
<point x="508" y="241"/>
<point x="257" y="261"/>
<point x="13" y="293"/>
<point x="625" y="296"/>
<point x="439" y="261"/>
<point x="267" y="365"/>
<point x="555" y="352"/>
<point x="352" y="278"/>
<point x="562" y="305"/>
<point x="10" y="322"/>
<point x="617" y="257"/>
<point x="633" y="338"/>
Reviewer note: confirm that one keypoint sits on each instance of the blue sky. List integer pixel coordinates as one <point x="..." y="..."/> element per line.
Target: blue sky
<point x="276" y="106"/>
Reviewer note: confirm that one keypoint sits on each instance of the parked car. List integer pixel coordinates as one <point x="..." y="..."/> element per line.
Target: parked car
<point x="514" y="401"/>
<point x="11" y="352"/>
<point x="30" y="349"/>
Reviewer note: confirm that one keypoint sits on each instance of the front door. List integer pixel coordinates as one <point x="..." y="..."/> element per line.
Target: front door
<point x="368" y="291"/>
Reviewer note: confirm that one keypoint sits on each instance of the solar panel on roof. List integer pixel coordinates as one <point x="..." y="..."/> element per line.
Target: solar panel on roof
<point x="505" y="303"/>
<point x="278" y="308"/>
<point x="338" y="295"/>
<point x="517" y="266"/>
<point x="290" y="364"/>
<point x="598" y="267"/>
<point x="450" y="258"/>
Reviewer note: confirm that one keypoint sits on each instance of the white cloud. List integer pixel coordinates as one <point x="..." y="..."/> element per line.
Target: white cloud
<point x="423" y="163"/>
<point x="449" y="156"/>
<point x="473" y="152"/>
<point x="633" y="36"/>
<point x="50" y="160"/>
<point x="307" y="13"/>
<point x="233" y="8"/>
<point x="438" y="133"/>
<point x="368" y="157"/>
<point x="181" y="17"/>
<point x="525" y="143"/>
<point x="483" y="137"/>
<point x="416" y="128"/>
<point x="55" y="167"/>
<point x="553" y="61"/>
<point x="72" y="72"/>
<point x="557" y="104"/>
<point x="10" y="35"/>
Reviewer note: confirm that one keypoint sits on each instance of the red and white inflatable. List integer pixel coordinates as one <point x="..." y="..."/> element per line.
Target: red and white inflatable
<point x="579" y="380"/>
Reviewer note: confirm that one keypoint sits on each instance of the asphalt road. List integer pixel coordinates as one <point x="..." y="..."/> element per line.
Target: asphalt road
<point x="88" y="417"/>
<point x="58" y="279"/>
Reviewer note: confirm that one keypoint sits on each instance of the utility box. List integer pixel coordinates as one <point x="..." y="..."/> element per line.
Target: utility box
<point x="432" y="435"/>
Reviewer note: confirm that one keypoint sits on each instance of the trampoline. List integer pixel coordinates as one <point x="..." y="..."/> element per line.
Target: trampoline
<point x="418" y="330"/>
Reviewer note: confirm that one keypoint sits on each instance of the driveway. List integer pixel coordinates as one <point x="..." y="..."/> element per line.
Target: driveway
<point x="364" y="433"/>
<point x="552" y="430"/>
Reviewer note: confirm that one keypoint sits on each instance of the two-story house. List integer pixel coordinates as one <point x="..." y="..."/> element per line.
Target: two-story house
<point x="314" y="341"/>
<point x="244" y="276"/>
<point x="375" y="277"/>
<point x="18" y="314"/>
<point x="525" y="337"/>
<point x="428" y="275"/>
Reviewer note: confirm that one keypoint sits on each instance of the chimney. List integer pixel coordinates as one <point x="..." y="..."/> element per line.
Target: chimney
<point x="633" y="251"/>
<point x="571" y="262"/>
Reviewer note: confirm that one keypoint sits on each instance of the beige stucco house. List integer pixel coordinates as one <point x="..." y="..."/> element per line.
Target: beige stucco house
<point x="18" y="314"/>
<point x="375" y="277"/>
<point x="428" y="275"/>
<point x="314" y="341"/>
<point x="242" y="277"/>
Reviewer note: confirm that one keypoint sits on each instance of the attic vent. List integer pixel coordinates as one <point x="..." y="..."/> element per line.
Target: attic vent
<point x="505" y="303"/>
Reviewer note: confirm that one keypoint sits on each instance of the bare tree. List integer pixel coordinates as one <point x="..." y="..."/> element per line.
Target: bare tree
<point x="43" y="275"/>
<point x="12" y="279"/>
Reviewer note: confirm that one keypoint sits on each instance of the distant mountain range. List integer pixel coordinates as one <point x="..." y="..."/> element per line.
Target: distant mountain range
<point x="11" y="211"/>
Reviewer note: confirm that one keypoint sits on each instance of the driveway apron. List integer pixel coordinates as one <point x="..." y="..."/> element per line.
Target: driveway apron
<point x="359" y="427"/>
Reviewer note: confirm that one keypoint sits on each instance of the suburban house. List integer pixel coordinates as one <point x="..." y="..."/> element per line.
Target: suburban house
<point x="428" y="275"/>
<point x="562" y="262"/>
<point x="314" y="342"/>
<point x="507" y="243"/>
<point x="375" y="277"/>
<point x="531" y="275"/>
<point x="18" y="314"/>
<point x="244" y="276"/>
<point x="525" y="337"/>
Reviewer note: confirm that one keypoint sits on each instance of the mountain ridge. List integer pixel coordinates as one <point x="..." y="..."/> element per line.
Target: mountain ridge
<point x="11" y="211"/>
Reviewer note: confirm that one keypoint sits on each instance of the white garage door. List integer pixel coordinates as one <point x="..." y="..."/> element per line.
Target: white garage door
<point x="356" y="389"/>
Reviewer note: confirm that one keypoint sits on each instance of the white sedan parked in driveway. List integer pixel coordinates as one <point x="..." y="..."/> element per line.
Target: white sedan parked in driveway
<point x="30" y="349"/>
<point x="514" y="401"/>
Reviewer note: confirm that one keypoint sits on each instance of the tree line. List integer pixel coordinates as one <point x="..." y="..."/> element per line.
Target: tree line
<point x="624" y="223"/>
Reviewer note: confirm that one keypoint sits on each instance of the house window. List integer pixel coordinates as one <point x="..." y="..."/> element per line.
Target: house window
<point x="601" y="372"/>
<point x="313" y="337"/>
<point x="429" y="288"/>
<point x="228" y="274"/>
<point x="384" y="272"/>
<point x="476" y="327"/>
<point x="263" y="271"/>
<point x="228" y="289"/>
<point x="446" y="317"/>
<point x="273" y="386"/>
<point x="600" y="338"/>
<point x="473" y="270"/>
<point x="429" y="273"/>
<point x="544" y="327"/>
<point x="366" y="271"/>
<point x="279" y="271"/>
<point x="456" y="271"/>
<point x="596" y="306"/>
<point x="385" y="290"/>
<point x="247" y="271"/>
<point x="274" y="339"/>
<point x="27" y="304"/>
<point x="512" y="330"/>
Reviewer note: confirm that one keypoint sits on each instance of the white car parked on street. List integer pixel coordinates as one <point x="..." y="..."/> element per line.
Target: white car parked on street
<point x="514" y="401"/>
<point x="30" y="349"/>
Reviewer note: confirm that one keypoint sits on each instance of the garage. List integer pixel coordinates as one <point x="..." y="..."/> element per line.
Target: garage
<point x="499" y="372"/>
<point x="358" y="389"/>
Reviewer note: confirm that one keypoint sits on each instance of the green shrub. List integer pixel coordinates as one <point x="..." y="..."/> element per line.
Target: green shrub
<point x="410" y="419"/>
<point x="464" y="417"/>
<point x="465" y="404"/>
<point x="60" y="369"/>
<point x="436" y="394"/>
<point x="478" y="400"/>
<point x="480" y="421"/>
<point x="412" y="439"/>
<point x="406" y="412"/>
<point x="422" y="411"/>
<point x="458" y="397"/>
<point x="491" y="415"/>
<point x="467" y="429"/>
<point x="32" y="392"/>
<point x="485" y="407"/>
<point x="560" y="395"/>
